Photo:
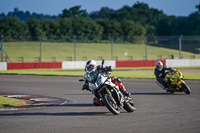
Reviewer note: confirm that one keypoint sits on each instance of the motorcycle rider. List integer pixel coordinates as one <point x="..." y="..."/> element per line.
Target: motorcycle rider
<point x="160" y="74"/>
<point x="91" y="74"/>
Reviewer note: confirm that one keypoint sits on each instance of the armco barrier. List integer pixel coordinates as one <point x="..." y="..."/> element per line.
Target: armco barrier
<point x="138" y="63"/>
<point x="11" y="66"/>
<point x="73" y="64"/>
<point x="3" y="65"/>
<point x="81" y="64"/>
<point x="182" y="62"/>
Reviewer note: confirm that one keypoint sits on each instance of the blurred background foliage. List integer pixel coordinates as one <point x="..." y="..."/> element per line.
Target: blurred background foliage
<point x="138" y="20"/>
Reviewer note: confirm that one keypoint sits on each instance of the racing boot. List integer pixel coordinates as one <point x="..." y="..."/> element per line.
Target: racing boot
<point x="166" y="89"/>
<point x="97" y="102"/>
<point x="118" y="82"/>
<point x="124" y="91"/>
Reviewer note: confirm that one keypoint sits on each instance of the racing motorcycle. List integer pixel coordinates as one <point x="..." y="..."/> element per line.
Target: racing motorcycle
<point x="109" y="93"/>
<point x="175" y="83"/>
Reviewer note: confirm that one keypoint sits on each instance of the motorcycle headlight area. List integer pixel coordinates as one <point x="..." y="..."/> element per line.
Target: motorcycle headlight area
<point x="92" y="86"/>
<point x="99" y="80"/>
<point x="173" y="78"/>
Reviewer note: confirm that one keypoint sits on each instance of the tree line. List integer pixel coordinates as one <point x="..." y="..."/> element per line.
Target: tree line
<point x="128" y="21"/>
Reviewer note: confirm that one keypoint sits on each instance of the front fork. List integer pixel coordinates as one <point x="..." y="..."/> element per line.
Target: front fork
<point x="110" y="96"/>
<point x="180" y="82"/>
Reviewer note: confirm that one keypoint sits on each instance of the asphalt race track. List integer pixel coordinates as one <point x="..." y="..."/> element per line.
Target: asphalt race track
<point x="156" y="111"/>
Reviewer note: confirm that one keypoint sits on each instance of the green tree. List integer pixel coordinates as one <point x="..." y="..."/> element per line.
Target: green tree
<point x="140" y="12"/>
<point x="80" y="27"/>
<point x="51" y="29"/>
<point x="12" y="27"/>
<point x="111" y="27"/>
<point x="35" y="28"/>
<point x="73" y="12"/>
<point x="86" y="27"/>
<point x="164" y="27"/>
<point x="130" y="29"/>
<point x="104" y="13"/>
<point x="193" y="22"/>
<point x="2" y="15"/>
<point x="65" y="26"/>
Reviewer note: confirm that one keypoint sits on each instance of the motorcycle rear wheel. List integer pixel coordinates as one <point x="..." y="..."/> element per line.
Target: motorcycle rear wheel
<point x="186" y="88"/>
<point x="110" y="105"/>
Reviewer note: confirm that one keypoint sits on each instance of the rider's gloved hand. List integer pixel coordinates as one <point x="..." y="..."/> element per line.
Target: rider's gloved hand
<point x="165" y="80"/>
<point x="98" y="68"/>
<point x="86" y="87"/>
<point x="110" y="68"/>
<point x="171" y="69"/>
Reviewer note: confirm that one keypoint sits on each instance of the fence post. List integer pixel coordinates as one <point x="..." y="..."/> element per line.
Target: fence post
<point x="146" y="43"/>
<point x="180" y="45"/>
<point x="1" y="48"/>
<point x="40" y="49"/>
<point x="75" y="48"/>
<point x="112" y="48"/>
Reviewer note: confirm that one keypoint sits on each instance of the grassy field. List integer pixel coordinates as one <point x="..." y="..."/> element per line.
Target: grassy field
<point x="143" y="73"/>
<point x="84" y="51"/>
<point x="7" y="102"/>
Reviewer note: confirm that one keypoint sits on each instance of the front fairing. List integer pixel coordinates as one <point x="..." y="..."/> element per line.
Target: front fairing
<point x="104" y="79"/>
<point x="92" y="86"/>
<point x="105" y="85"/>
<point x="174" y="78"/>
<point x="101" y="79"/>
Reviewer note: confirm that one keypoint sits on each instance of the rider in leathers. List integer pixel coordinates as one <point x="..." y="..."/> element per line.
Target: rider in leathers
<point x="160" y="74"/>
<point x="91" y="74"/>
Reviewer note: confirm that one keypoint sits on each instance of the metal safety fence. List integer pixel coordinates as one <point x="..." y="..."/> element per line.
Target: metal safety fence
<point x="75" y="48"/>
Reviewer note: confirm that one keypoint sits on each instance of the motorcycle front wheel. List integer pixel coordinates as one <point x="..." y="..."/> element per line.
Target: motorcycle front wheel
<point x="110" y="104"/>
<point x="186" y="88"/>
<point x="129" y="107"/>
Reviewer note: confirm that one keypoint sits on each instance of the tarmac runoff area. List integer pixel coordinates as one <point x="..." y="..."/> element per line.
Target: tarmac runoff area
<point x="34" y="101"/>
<point x="156" y="111"/>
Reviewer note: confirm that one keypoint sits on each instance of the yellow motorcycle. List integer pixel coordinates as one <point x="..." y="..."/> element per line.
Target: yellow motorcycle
<point x="175" y="83"/>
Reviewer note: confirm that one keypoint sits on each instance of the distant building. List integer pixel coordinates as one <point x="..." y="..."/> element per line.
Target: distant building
<point x="16" y="9"/>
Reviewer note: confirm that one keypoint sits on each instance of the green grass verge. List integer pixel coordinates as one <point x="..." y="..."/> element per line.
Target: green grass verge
<point x="151" y="68"/>
<point x="129" y="73"/>
<point x="119" y="72"/>
<point x="8" y="102"/>
<point x="31" y="50"/>
<point x="46" y="72"/>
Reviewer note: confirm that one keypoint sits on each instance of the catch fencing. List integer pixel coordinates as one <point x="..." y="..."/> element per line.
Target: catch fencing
<point x="58" y="49"/>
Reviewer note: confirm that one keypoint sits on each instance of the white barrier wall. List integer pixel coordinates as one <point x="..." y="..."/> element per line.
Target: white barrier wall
<point x="81" y="64"/>
<point x="182" y="62"/>
<point x="3" y="66"/>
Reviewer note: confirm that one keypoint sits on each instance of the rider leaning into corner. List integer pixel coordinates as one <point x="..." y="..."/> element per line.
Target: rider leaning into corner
<point x="93" y="70"/>
<point x="160" y="74"/>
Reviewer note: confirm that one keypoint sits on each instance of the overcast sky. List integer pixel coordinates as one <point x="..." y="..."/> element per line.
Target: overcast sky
<point x="55" y="7"/>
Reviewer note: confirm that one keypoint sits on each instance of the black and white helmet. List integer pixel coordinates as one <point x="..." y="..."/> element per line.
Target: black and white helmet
<point x="159" y="65"/>
<point x="90" y="64"/>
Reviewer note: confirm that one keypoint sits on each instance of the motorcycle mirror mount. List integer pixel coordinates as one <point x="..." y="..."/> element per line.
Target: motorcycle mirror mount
<point x="81" y="80"/>
<point x="102" y="62"/>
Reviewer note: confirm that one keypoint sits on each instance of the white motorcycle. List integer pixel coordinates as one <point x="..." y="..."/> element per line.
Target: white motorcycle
<point x="109" y="93"/>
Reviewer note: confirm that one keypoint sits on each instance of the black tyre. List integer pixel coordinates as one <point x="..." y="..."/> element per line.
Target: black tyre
<point x="186" y="88"/>
<point x="110" y="105"/>
<point x="129" y="107"/>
